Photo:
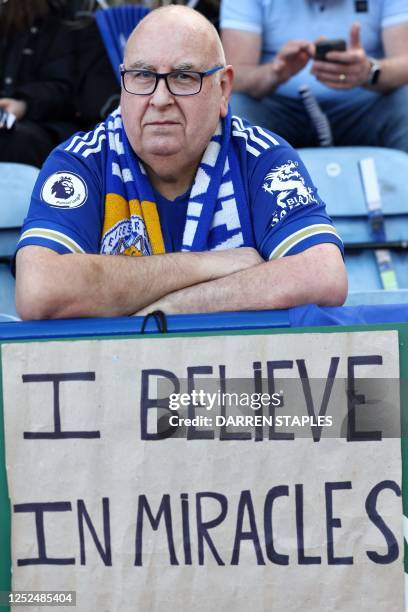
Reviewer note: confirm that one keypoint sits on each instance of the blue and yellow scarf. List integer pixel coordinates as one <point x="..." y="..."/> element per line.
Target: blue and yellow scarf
<point x="217" y="213"/>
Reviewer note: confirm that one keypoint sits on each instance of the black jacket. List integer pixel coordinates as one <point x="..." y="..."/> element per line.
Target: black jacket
<point x="38" y="66"/>
<point x="97" y="89"/>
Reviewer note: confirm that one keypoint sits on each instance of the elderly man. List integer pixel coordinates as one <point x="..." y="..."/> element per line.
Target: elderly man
<point x="362" y="90"/>
<point x="173" y="179"/>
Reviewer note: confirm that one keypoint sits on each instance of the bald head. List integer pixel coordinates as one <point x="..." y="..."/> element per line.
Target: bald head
<point x="170" y="131"/>
<point x="182" y="22"/>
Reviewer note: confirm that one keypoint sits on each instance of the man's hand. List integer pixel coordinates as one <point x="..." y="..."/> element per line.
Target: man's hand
<point x="282" y="283"/>
<point x="169" y="304"/>
<point x="235" y="260"/>
<point x="173" y="303"/>
<point x="344" y="69"/>
<point x="291" y="58"/>
<point x="17" y="107"/>
<point x="243" y="50"/>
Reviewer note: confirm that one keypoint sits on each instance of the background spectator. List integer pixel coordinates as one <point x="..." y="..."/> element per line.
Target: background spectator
<point x="97" y="88"/>
<point x="37" y="70"/>
<point x="269" y="44"/>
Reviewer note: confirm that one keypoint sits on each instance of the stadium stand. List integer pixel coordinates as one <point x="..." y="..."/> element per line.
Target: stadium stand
<point x="37" y="76"/>
<point x="367" y="200"/>
<point x="16" y="184"/>
<point x="115" y="24"/>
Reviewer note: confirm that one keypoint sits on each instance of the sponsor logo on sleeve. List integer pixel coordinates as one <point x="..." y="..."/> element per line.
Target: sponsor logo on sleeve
<point x="64" y="190"/>
<point x="288" y="186"/>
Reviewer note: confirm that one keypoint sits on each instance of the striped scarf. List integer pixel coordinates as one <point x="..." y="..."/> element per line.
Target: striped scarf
<point x="217" y="213"/>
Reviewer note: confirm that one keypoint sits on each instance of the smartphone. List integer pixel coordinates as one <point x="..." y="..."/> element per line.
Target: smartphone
<point x="7" y="119"/>
<point x="324" y="46"/>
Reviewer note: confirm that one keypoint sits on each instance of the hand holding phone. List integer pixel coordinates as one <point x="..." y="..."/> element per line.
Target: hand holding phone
<point x="339" y="65"/>
<point x="324" y="46"/>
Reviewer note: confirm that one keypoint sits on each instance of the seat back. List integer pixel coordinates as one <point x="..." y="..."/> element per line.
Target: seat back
<point x="16" y="184"/>
<point x="377" y="297"/>
<point x="115" y="25"/>
<point x="336" y="173"/>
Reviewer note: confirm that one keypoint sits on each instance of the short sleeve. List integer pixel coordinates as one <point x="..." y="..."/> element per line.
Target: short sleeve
<point x="242" y="15"/>
<point x="289" y="215"/>
<point x="66" y="207"/>
<point x="394" y="12"/>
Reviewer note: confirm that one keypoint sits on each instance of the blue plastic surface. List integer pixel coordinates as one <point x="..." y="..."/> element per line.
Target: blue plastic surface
<point x="25" y="330"/>
<point x="115" y="25"/>
<point x="16" y="184"/>
<point x="336" y="173"/>
<point x="301" y="316"/>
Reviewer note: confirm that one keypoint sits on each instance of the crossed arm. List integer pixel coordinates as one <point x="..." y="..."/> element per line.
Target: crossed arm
<point x="49" y="285"/>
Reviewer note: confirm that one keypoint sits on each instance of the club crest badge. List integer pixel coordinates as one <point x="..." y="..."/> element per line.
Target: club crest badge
<point x="127" y="237"/>
<point x="64" y="190"/>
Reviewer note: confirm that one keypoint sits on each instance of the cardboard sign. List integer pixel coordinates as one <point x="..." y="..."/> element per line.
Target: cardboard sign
<point x="293" y="514"/>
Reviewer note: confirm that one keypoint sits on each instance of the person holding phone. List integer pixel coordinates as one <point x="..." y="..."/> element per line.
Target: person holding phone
<point x="360" y="85"/>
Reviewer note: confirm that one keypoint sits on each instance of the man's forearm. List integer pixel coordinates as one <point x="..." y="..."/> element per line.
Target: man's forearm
<point x="256" y="81"/>
<point x="394" y="73"/>
<point x="394" y="66"/>
<point x="314" y="276"/>
<point x="76" y="285"/>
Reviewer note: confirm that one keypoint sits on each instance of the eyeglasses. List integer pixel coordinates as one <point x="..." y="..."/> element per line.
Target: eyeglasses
<point x="178" y="82"/>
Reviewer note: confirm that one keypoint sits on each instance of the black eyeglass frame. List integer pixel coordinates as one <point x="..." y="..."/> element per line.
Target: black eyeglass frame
<point x="164" y="75"/>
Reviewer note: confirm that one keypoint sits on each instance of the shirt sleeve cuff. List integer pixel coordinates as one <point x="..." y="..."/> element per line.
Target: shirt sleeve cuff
<point x="49" y="238"/>
<point x="304" y="238"/>
<point x="394" y="20"/>
<point x="240" y="25"/>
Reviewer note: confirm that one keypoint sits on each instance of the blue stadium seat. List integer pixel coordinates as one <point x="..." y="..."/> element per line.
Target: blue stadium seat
<point x="336" y="172"/>
<point x="377" y="297"/>
<point x="16" y="184"/>
<point x="115" y="25"/>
